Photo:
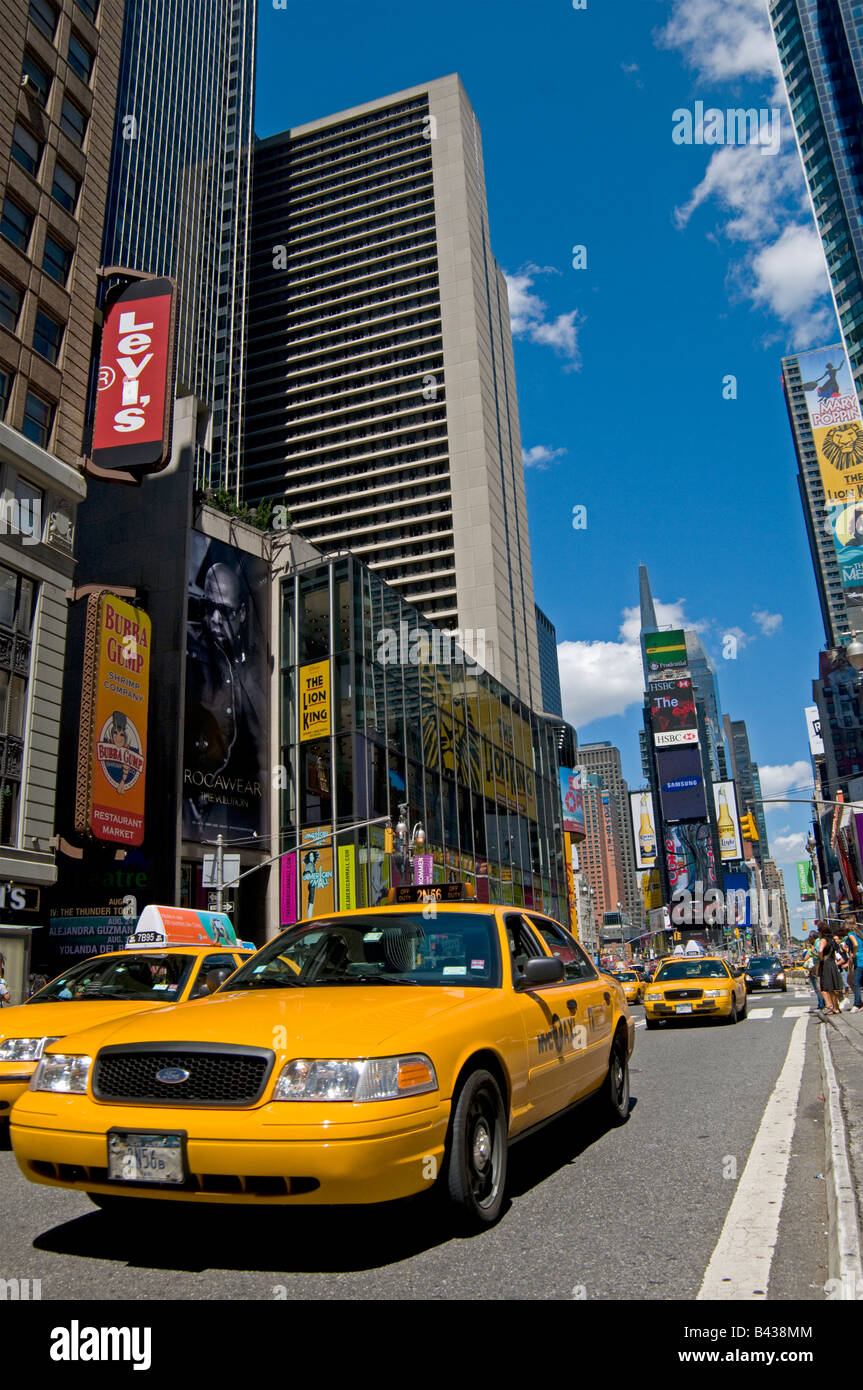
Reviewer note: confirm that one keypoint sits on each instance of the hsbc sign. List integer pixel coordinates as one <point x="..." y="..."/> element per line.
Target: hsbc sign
<point x="134" y="403"/>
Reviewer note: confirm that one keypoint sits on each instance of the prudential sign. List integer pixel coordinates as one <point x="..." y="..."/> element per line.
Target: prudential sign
<point x="132" y="428"/>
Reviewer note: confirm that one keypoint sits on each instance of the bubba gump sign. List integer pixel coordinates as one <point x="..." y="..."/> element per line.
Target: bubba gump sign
<point x="134" y="402"/>
<point x="112" y="752"/>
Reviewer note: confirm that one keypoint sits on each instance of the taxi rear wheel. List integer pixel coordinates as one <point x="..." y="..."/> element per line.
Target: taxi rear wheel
<point x="617" y="1082"/>
<point x="732" y="1017"/>
<point x="477" y="1157"/>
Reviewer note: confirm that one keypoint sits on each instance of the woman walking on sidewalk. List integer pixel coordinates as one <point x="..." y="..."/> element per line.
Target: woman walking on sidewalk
<point x="830" y="981"/>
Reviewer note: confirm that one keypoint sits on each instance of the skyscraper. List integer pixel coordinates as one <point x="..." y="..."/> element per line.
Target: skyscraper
<point x="179" y="192"/>
<point x="549" y="670"/>
<point x="600" y="855"/>
<point x="822" y="62"/>
<point x="745" y="774"/>
<point x="603" y="760"/>
<point x="381" y="389"/>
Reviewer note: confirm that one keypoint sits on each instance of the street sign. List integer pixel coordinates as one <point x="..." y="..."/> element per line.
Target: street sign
<point x="230" y="870"/>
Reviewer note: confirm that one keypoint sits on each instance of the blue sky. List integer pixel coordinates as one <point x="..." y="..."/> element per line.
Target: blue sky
<point x="702" y="264"/>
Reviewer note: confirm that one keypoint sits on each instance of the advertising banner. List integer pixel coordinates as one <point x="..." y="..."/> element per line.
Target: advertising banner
<point x="665" y="653"/>
<point x="689" y="856"/>
<point x="806" y="880"/>
<point x="681" y="784"/>
<point x="225" y="762"/>
<point x="728" y="821"/>
<point x="572" y="798"/>
<point x="316" y="863"/>
<point x="672" y="714"/>
<point x="315" y="700"/>
<point x="347" y="878"/>
<point x="643" y="828"/>
<point x="84" y="936"/>
<point x="135" y="397"/>
<point x="182" y="926"/>
<point x="572" y="899"/>
<point x="738" y="903"/>
<point x="650" y="884"/>
<point x="423" y="866"/>
<point x="834" y="415"/>
<point x="813" y="728"/>
<point x="112" y="747"/>
<point x="288" y="890"/>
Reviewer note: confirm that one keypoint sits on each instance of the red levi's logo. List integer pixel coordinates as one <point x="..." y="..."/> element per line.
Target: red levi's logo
<point x="131" y="426"/>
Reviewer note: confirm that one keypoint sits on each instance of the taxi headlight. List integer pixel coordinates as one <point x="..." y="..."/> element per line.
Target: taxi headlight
<point x="59" y="1072"/>
<point x="653" y="996"/>
<point x="356" y="1079"/>
<point x="23" y="1049"/>
<point x="716" y="994"/>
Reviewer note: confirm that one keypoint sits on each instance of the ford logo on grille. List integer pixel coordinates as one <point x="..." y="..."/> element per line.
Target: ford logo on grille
<point x="172" y="1076"/>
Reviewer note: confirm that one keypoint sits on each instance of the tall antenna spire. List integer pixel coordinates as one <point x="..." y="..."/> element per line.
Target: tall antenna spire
<point x="648" y="612"/>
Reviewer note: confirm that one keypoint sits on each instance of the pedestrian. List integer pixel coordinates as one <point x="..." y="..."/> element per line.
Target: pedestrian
<point x="855" y="941"/>
<point x="829" y="979"/>
<point x="5" y="995"/>
<point x="843" y="960"/>
<point x="810" y="965"/>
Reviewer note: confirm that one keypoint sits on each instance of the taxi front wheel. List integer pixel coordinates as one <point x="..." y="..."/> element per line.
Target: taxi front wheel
<point x="476" y="1160"/>
<point x="617" y="1083"/>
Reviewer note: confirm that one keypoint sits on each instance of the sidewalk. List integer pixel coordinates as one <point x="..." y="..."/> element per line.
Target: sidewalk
<point x="844" y="1037"/>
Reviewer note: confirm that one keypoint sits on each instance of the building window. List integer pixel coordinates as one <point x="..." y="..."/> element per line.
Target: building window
<point x="65" y="188"/>
<point x="38" y="82"/>
<point x="80" y="58"/>
<point x="56" y="260"/>
<point x="5" y="388"/>
<point x="73" y="121"/>
<point x="47" y="336"/>
<point x="44" y="16"/>
<point x="89" y="8"/>
<point x="26" y="149"/>
<point x="10" y="305"/>
<point x="16" y="224"/>
<point x="17" y="596"/>
<point x="38" y="417"/>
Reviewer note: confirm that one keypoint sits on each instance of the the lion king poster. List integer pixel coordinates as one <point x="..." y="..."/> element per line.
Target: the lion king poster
<point x="834" y="414"/>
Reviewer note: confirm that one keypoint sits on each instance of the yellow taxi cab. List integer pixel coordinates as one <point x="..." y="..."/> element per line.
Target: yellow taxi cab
<point x="694" y="987"/>
<point x="629" y="983"/>
<point x="360" y="1057"/>
<point x="150" y="973"/>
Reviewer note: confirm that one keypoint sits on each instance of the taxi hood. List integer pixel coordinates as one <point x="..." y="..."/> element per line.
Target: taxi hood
<point x="55" y="1020"/>
<point x="324" y="1021"/>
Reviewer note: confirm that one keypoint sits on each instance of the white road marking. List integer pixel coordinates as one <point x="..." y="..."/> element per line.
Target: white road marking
<point x="739" y="1267"/>
<point x="796" y="1011"/>
<point x="760" y="1013"/>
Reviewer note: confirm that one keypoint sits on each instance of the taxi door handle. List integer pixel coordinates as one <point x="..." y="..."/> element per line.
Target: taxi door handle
<point x="572" y="1005"/>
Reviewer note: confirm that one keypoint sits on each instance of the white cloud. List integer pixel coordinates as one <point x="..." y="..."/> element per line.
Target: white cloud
<point x="740" y="637"/>
<point x="630" y="68"/>
<point x="540" y="456"/>
<point x="787" y="849"/>
<point x="724" y="40"/>
<point x="785" y="779"/>
<point x="529" y="316"/>
<point x="789" y="277"/>
<point x="768" y="622"/>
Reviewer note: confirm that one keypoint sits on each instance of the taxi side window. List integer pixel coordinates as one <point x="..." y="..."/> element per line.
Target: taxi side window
<point x="576" y="964"/>
<point x="523" y="942"/>
<point x="221" y="962"/>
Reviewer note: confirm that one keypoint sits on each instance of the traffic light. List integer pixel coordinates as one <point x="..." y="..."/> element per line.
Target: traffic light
<point x="389" y="840"/>
<point x="747" y="826"/>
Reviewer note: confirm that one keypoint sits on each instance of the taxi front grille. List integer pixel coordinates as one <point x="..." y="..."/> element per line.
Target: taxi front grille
<point x="218" y="1074"/>
<point x="683" y="993"/>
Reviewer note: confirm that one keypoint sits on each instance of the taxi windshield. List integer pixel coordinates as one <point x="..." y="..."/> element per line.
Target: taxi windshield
<point x="690" y="970"/>
<point x="454" y="948"/>
<point x="764" y="963"/>
<point x="140" y="975"/>
<point x="625" y="975"/>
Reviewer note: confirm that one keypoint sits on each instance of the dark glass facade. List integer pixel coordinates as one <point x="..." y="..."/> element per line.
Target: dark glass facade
<point x="179" y="191"/>
<point x="476" y="768"/>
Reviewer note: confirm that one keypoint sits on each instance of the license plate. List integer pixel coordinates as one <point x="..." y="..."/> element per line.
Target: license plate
<point x="684" y="1008"/>
<point x="145" y="1157"/>
<point x="765" y="979"/>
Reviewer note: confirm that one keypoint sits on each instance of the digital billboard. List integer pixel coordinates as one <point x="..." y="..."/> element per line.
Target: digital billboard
<point x="225" y="729"/>
<point x="665" y="653"/>
<point x="572" y="798"/>
<point x="112" y="750"/>
<point x="681" y="784"/>
<point x="672" y="714"/>
<point x="834" y="415"/>
<point x="689" y="857"/>
<point x="643" y="819"/>
<point x="727" y="821"/>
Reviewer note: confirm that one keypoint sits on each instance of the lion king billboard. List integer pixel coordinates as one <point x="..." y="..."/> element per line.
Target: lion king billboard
<point x="837" y="429"/>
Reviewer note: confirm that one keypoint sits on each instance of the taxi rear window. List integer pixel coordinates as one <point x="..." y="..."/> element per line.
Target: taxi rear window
<point x="453" y="948"/>
<point x="144" y="975"/>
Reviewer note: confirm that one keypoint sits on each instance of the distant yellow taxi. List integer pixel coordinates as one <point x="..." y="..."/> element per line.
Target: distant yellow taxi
<point x="694" y="987"/>
<point x="356" y="1058"/>
<point x="630" y="984"/>
<point x="113" y="985"/>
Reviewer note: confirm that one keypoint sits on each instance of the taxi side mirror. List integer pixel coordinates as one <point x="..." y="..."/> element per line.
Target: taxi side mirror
<point x="541" y="970"/>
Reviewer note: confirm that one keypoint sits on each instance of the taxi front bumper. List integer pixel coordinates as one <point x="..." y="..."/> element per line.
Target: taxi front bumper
<point x="14" y="1081"/>
<point x="259" y="1157"/>
<point x="688" y="1008"/>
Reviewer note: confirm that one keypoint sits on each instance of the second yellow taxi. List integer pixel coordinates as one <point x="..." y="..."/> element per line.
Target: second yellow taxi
<point x="694" y="987"/>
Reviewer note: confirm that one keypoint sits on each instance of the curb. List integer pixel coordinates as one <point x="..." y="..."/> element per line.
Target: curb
<point x="844" y="1255"/>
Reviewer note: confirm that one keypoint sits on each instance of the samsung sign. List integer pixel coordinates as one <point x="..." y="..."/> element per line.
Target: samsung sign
<point x="681" y="783"/>
<point x="134" y="404"/>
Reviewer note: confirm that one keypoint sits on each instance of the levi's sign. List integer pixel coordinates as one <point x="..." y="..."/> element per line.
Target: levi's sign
<point x="132" y="428"/>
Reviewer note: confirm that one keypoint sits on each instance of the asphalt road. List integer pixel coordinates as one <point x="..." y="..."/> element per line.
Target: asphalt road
<point x="593" y="1213"/>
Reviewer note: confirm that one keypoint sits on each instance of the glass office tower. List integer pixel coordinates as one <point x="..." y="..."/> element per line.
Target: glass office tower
<point x="178" y="199"/>
<point x="821" y="52"/>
